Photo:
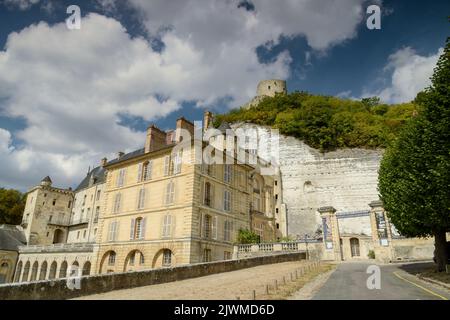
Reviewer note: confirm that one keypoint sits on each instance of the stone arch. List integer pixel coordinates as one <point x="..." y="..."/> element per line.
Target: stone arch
<point x="43" y="272"/>
<point x="86" y="269"/>
<point x="18" y="271"/>
<point x="26" y="272"/>
<point x="63" y="270"/>
<point x="163" y="258"/>
<point x="53" y="268"/>
<point x="354" y="247"/>
<point x="134" y="260"/>
<point x="4" y="271"/>
<point x="58" y="236"/>
<point x="108" y="261"/>
<point x="34" y="271"/>
<point x="74" y="269"/>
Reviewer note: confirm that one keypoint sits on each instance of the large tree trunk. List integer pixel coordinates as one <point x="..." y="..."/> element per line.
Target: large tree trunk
<point x="440" y="249"/>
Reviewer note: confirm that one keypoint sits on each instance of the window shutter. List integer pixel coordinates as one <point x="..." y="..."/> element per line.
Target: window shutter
<point x="133" y="223"/>
<point x="116" y="230"/>
<point x="139" y="179"/>
<point x="144" y="220"/>
<point x="166" y="165"/>
<point x="212" y="195"/>
<point x="149" y="170"/>
<point x="172" y="226"/>
<point x="172" y="192"/>
<point x="202" y="219"/>
<point x="214" y="228"/>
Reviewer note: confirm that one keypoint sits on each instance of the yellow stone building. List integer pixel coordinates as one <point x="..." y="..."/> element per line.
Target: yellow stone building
<point x="159" y="206"/>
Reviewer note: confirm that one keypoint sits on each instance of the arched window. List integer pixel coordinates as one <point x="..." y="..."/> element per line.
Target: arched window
<point x="167" y="258"/>
<point x="43" y="273"/>
<point x="111" y="258"/>
<point x="53" y="267"/>
<point x="86" y="268"/>
<point x="26" y="272"/>
<point x="75" y="269"/>
<point x="18" y="272"/>
<point x="34" y="271"/>
<point x="63" y="270"/>
<point x="58" y="236"/>
<point x="134" y="258"/>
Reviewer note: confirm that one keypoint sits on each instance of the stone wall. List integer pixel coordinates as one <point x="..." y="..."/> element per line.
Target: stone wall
<point x="345" y="179"/>
<point x="55" y="290"/>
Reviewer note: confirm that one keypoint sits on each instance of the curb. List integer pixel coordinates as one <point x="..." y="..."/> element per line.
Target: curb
<point x="436" y="282"/>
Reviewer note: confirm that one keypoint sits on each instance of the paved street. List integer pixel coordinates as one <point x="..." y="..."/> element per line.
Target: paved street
<point x="349" y="282"/>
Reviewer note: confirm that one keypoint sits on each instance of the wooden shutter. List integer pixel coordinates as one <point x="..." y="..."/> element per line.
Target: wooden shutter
<point x="149" y="170"/>
<point x="214" y="228"/>
<point x="139" y="179"/>
<point x="166" y="165"/>
<point x="143" y="227"/>
<point x="133" y="223"/>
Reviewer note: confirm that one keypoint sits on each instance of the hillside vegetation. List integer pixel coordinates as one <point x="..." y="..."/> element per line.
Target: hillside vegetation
<point x="328" y="123"/>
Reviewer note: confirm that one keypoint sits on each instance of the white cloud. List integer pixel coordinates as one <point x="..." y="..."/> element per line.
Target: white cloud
<point x="72" y="90"/>
<point x="410" y="74"/>
<point x="21" y="4"/>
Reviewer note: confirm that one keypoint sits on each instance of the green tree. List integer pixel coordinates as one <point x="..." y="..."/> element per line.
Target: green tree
<point x="12" y="204"/>
<point x="246" y="236"/>
<point x="414" y="179"/>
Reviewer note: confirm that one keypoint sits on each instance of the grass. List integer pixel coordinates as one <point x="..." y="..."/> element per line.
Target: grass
<point x="292" y="282"/>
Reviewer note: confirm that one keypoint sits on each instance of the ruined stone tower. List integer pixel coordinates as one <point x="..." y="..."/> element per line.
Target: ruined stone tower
<point x="267" y="88"/>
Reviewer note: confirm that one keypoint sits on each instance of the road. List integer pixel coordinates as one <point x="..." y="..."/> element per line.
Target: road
<point x="349" y="282"/>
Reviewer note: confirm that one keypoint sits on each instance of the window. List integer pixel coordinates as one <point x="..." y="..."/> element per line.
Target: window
<point x="226" y="255"/>
<point x="276" y="182"/>
<point x="206" y="255"/>
<point x="97" y="213"/>
<point x="166" y="165"/>
<point x="84" y="234"/>
<point x="141" y="259"/>
<point x="141" y="199"/>
<point x="113" y="230"/>
<point x="227" y="200"/>
<point x="207" y="195"/>
<point x="84" y="199"/>
<point x="50" y="219"/>
<point x="137" y="230"/>
<point x="167" y="226"/>
<point x="78" y="235"/>
<point x="167" y="258"/>
<point x="69" y="204"/>
<point x="147" y="170"/>
<point x="207" y="226"/>
<point x="117" y="200"/>
<point x="177" y="161"/>
<point x="227" y="228"/>
<point x="132" y="256"/>
<point x="95" y="231"/>
<point x="98" y="195"/>
<point x="276" y="210"/>
<point x="111" y="258"/>
<point x="228" y="173"/>
<point x="170" y="193"/>
<point x="54" y="201"/>
<point x="121" y="178"/>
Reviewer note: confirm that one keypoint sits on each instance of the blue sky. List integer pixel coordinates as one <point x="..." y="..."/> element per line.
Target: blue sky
<point x="70" y="97"/>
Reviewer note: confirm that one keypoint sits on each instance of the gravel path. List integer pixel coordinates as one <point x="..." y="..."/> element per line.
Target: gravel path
<point x="308" y="291"/>
<point x="222" y="286"/>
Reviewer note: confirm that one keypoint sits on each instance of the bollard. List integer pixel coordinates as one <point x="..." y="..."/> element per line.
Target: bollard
<point x="254" y="295"/>
<point x="296" y="274"/>
<point x="284" y="280"/>
<point x="292" y="278"/>
<point x="276" y="284"/>
<point x="267" y="289"/>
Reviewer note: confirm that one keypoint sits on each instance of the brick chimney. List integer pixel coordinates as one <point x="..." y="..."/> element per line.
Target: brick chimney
<point x="207" y="120"/>
<point x="156" y="138"/>
<point x="182" y="123"/>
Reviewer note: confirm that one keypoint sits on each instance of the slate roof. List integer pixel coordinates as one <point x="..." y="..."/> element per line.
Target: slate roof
<point x="11" y="237"/>
<point x="98" y="174"/>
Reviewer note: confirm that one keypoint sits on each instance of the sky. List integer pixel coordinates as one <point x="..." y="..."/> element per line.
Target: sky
<point x="69" y="97"/>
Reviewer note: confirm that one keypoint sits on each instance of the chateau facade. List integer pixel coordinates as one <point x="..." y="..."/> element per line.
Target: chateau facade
<point x="158" y="206"/>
